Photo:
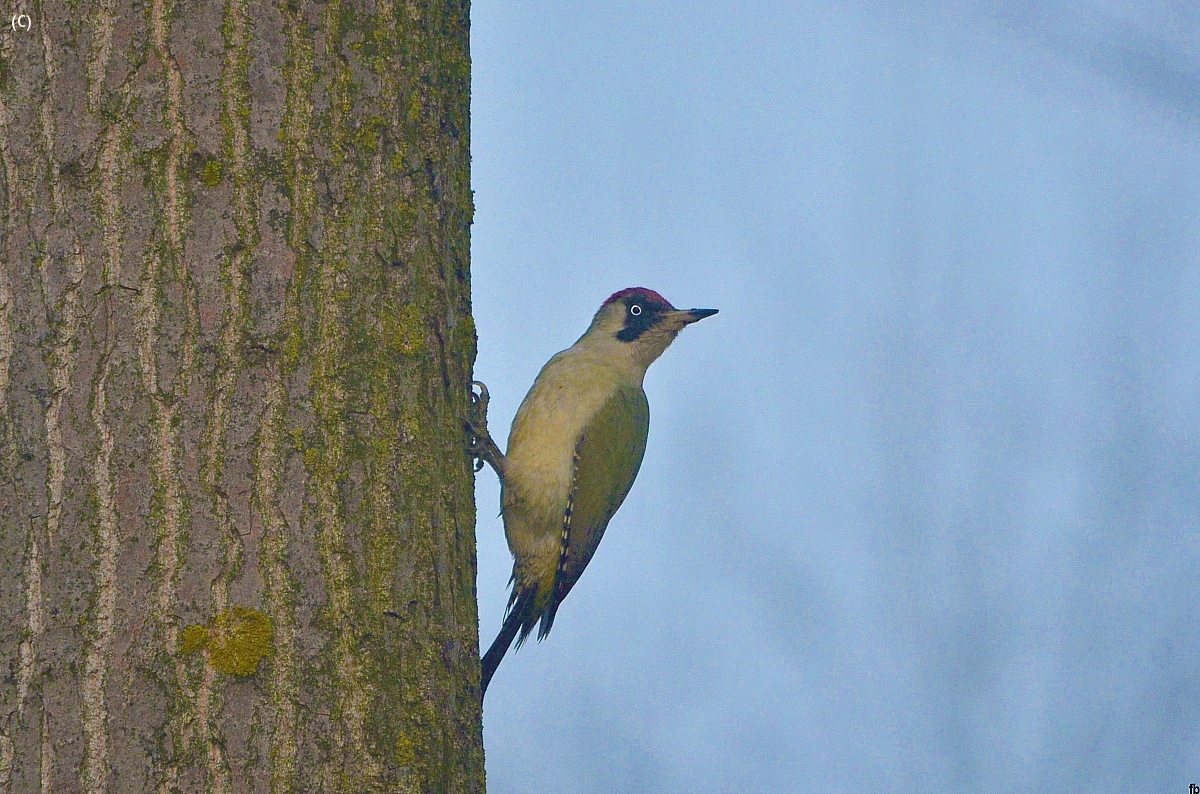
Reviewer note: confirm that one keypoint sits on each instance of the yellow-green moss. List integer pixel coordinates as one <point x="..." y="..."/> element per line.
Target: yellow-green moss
<point x="397" y="160"/>
<point x="406" y="752"/>
<point x="236" y="640"/>
<point x="193" y="639"/>
<point x="404" y="331"/>
<point x="369" y="134"/>
<point x="212" y="172"/>
<point x="414" y="108"/>
<point x="239" y="639"/>
<point x="466" y="330"/>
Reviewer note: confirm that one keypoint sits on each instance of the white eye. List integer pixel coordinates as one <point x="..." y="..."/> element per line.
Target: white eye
<point x="635" y="310"/>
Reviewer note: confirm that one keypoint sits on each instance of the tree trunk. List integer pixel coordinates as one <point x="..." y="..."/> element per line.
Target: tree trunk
<point x="236" y="511"/>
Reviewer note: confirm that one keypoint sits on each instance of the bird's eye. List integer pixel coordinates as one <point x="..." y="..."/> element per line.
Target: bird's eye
<point x="635" y="310"/>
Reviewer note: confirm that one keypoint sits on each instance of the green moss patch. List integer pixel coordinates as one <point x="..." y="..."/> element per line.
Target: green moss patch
<point x="236" y="640"/>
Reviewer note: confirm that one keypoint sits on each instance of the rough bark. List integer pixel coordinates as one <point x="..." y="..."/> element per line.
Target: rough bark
<point x="236" y="517"/>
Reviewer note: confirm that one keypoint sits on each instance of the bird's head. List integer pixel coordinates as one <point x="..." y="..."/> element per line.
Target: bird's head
<point x="636" y="325"/>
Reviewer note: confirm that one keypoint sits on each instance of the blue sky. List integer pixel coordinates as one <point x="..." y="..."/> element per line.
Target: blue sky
<point x="920" y="506"/>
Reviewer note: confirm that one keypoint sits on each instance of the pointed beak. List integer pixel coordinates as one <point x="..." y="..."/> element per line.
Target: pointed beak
<point x="694" y="315"/>
<point x="676" y="319"/>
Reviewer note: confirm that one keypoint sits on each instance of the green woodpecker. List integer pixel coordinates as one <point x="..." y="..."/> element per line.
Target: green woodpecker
<point x="574" y="449"/>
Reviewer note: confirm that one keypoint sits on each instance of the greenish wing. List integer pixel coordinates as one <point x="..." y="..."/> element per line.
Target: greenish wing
<point x="608" y="455"/>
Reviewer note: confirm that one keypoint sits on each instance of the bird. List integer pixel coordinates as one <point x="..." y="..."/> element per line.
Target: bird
<point x="574" y="449"/>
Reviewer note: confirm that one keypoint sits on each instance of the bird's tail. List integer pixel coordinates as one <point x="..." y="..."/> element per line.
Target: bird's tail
<point x="518" y="616"/>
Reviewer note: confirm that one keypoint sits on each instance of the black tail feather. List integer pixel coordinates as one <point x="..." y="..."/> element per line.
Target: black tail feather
<point x="547" y="619"/>
<point x="518" y="616"/>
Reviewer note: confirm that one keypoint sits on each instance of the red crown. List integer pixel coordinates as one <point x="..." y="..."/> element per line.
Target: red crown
<point x="648" y="295"/>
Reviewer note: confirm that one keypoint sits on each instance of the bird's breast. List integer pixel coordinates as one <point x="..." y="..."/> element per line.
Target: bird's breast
<point x="541" y="446"/>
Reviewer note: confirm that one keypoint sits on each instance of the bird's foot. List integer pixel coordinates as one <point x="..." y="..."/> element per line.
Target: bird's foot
<point x="480" y="445"/>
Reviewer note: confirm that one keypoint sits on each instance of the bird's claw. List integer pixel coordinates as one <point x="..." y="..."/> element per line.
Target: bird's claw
<point x="479" y="402"/>
<point x="478" y="439"/>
